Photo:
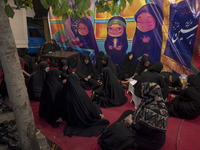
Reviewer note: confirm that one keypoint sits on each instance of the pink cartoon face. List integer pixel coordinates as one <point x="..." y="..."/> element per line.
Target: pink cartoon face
<point x="146" y="22"/>
<point x="115" y="30"/>
<point x="82" y="29"/>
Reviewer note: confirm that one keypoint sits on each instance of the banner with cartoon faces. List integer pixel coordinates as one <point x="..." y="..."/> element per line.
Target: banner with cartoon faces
<point x="165" y="30"/>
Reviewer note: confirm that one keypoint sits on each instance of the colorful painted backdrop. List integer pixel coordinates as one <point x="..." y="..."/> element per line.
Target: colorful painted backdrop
<point x="166" y="30"/>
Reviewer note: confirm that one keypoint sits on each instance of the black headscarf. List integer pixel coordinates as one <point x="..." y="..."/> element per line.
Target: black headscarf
<point x="83" y="117"/>
<point x="152" y="75"/>
<point x="84" y="70"/>
<point x="113" y="89"/>
<point x="109" y="64"/>
<point x="156" y="67"/>
<point x="140" y="68"/>
<point x="64" y="62"/>
<point x="98" y="65"/>
<point x="55" y="46"/>
<point x="51" y="105"/>
<point x="194" y="81"/>
<point x="29" y="66"/>
<point x="37" y="79"/>
<point x="176" y="82"/>
<point x="128" y="65"/>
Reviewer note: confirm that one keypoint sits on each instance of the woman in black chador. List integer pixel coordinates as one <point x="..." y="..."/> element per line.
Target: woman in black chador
<point x="64" y="67"/>
<point x="51" y="104"/>
<point x="83" y="117"/>
<point x="111" y="93"/>
<point x="143" y="65"/>
<point x="187" y="104"/>
<point x="86" y="73"/>
<point x="152" y="75"/>
<point x="106" y="61"/>
<point x="173" y="82"/>
<point x="144" y="128"/>
<point x="98" y="65"/>
<point x="37" y="80"/>
<point x="128" y="67"/>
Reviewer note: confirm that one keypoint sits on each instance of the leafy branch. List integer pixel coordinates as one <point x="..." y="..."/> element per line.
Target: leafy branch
<point x="111" y="6"/>
<point x="75" y="8"/>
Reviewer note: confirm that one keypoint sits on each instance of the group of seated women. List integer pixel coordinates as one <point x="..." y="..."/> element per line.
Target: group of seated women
<point x="62" y="96"/>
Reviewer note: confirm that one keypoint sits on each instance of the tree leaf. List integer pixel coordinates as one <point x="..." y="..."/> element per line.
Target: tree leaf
<point x="130" y="2"/>
<point x="87" y="4"/>
<point x="84" y="14"/>
<point x="9" y="11"/>
<point x="65" y="6"/>
<point x="80" y="5"/>
<point x="44" y="4"/>
<point x="89" y="12"/>
<point x="49" y="2"/>
<point x="19" y="3"/>
<point x="123" y="4"/>
<point x="65" y="16"/>
<point x="5" y="1"/>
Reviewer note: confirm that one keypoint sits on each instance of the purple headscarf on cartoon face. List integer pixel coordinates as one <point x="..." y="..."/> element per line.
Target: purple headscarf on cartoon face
<point x="117" y="56"/>
<point x="88" y="41"/>
<point x="149" y="41"/>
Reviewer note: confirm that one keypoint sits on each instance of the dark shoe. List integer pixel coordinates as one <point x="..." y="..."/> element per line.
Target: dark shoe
<point x="13" y="136"/>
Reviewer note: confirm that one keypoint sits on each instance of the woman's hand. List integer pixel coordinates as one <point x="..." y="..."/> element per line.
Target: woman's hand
<point x="64" y="81"/>
<point x="89" y="77"/>
<point x="102" y="116"/>
<point x="128" y="120"/>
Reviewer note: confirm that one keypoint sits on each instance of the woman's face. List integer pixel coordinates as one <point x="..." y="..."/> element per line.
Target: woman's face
<point x="115" y="30"/>
<point x="82" y="29"/>
<point x="146" y="64"/>
<point x="46" y="69"/>
<point x="145" y="22"/>
<point x="130" y="56"/>
<point x="65" y="67"/>
<point x="103" y="62"/>
<point x="86" y="61"/>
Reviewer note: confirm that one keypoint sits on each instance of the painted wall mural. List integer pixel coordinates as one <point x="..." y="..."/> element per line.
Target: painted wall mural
<point x="166" y="30"/>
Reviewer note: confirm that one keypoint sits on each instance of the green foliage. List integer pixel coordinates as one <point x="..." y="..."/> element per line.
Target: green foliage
<point x="9" y="11"/>
<point x="75" y="8"/>
<point x="111" y="6"/>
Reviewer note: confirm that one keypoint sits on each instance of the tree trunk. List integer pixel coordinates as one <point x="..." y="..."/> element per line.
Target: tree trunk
<point x="15" y="85"/>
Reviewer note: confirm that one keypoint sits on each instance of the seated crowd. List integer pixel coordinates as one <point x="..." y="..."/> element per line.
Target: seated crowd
<point x="62" y="96"/>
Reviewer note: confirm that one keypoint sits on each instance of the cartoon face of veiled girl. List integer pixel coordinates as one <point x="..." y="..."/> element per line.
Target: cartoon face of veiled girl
<point x="116" y="42"/>
<point x="86" y="35"/>
<point x="148" y="34"/>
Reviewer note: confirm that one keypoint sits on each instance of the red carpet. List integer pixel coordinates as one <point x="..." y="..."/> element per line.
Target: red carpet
<point x="188" y="131"/>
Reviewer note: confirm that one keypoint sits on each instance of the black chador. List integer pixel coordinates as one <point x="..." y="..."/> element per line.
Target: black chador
<point x="51" y="104"/>
<point x="83" y="117"/>
<point x="111" y="93"/>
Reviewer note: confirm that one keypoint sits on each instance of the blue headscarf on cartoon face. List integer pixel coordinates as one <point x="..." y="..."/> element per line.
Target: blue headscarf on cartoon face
<point x="148" y="34"/>
<point x="86" y="35"/>
<point x="116" y="42"/>
<point x="182" y="33"/>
